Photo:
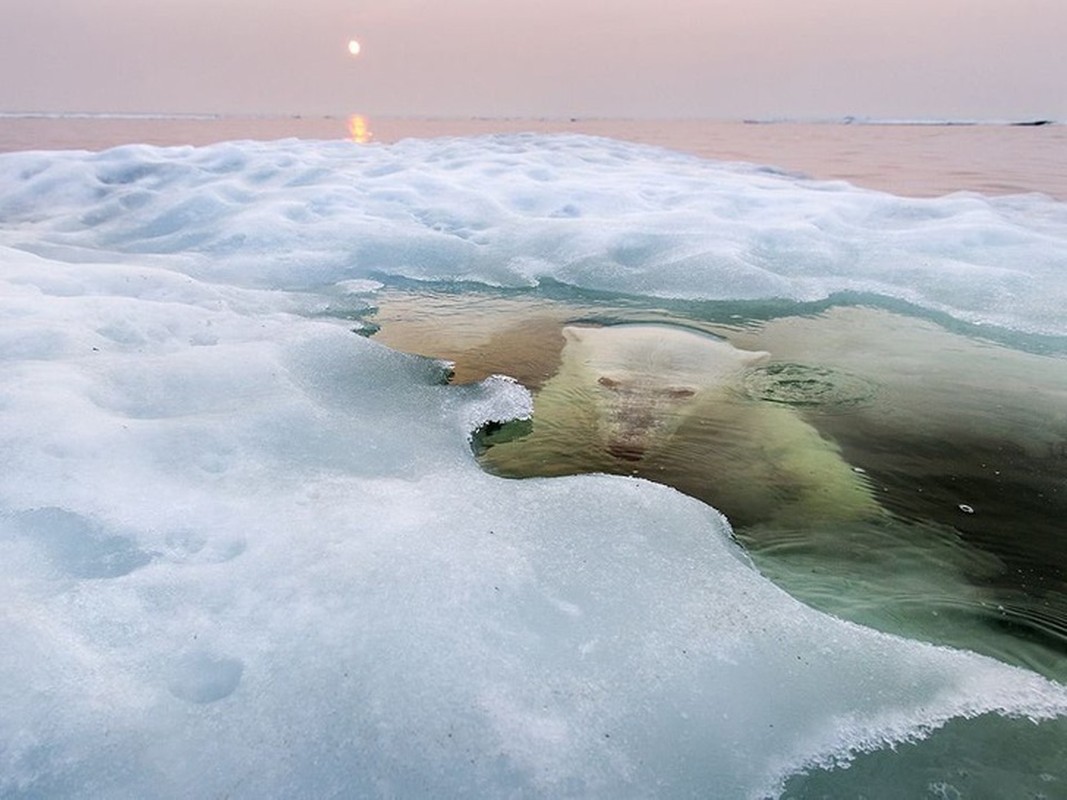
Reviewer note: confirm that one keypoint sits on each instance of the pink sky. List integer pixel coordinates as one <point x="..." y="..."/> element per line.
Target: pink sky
<point x="991" y="59"/>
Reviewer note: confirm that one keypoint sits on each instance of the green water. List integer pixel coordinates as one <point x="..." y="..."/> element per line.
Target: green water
<point x="877" y="466"/>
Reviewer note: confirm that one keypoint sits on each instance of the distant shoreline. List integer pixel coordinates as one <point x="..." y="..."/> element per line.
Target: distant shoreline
<point x="211" y="116"/>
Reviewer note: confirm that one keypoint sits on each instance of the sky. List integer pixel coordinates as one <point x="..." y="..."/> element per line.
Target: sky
<point x="720" y="59"/>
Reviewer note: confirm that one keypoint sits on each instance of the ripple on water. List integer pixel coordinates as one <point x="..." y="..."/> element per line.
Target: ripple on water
<point x="808" y="386"/>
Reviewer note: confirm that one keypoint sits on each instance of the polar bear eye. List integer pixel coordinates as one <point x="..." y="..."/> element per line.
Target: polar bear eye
<point x="607" y="382"/>
<point x="679" y="392"/>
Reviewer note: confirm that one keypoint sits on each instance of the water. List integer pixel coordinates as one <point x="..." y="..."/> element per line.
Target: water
<point x="930" y="466"/>
<point x="900" y="470"/>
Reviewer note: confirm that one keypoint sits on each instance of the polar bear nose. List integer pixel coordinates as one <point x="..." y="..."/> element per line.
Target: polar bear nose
<point x="679" y="392"/>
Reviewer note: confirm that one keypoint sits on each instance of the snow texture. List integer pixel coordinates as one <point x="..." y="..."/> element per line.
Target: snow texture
<point x="244" y="552"/>
<point x="515" y="210"/>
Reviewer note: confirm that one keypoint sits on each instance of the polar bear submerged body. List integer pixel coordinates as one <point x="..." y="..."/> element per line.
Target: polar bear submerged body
<point x="666" y="403"/>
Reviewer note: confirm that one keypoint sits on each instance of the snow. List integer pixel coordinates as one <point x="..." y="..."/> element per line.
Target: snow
<point x="245" y="552"/>
<point x="516" y="210"/>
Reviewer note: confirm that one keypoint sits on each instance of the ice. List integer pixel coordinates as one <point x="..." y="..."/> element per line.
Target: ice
<point x="246" y="552"/>
<point x="516" y="210"/>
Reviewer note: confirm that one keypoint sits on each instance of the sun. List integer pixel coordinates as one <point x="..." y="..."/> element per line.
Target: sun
<point x="353" y="47"/>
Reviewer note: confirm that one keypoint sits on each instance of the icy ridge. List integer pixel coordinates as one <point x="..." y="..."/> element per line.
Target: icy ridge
<point x="517" y="209"/>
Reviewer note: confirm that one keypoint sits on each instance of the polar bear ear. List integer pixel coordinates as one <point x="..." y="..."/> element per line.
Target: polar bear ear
<point x="753" y="357"/>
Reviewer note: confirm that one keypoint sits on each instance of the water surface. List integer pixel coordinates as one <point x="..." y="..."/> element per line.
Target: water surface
<point x="947" y="526"/>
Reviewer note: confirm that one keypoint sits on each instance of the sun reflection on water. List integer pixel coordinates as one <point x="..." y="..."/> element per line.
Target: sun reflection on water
<point x="358" y="129"/>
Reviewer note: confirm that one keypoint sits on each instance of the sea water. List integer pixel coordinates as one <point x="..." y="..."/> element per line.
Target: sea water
<point x="227" y="513"/>
<point x="953" y="439"/>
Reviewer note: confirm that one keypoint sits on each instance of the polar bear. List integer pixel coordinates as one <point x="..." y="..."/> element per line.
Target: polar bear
<point x="666" y="403"/>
